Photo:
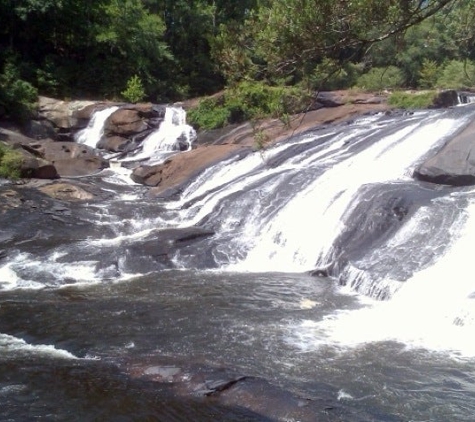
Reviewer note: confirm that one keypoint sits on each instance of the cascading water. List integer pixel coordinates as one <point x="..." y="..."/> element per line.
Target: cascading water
<point x="173" y="135"/>
<point x="379" y="332"/>
<point x="92" y="134"/>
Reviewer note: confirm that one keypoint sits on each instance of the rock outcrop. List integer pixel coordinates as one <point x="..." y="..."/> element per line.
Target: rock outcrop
<point x="454" y="164"/>
<point x="61" y="119"/>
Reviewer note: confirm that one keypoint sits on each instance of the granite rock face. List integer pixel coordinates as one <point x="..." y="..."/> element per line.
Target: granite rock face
<point x="454" y="164"/>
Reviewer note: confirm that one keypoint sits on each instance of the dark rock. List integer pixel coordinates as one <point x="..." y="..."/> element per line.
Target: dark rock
<point x="454" y="164"/>
<point x="113" y="143"/>
<point x="148" y="175"/>
<point x="329" y="99"/>
<point x="34" y="166"/>
<point x="42" y="129"/>
<point x="445" y="99"/>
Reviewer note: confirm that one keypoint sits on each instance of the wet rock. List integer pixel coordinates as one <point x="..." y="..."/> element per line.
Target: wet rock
<point x="113" y="143"/>
<point x="445" y="99"/>
<point x="66" y="191"/>
<point x="148" y="175"/>
<point x="180" y="169"/>
<point x="454" y="164"/>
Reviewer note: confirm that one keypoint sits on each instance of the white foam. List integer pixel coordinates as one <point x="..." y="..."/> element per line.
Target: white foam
<point x="434" y="310"/>
<point x="13" y="347"/>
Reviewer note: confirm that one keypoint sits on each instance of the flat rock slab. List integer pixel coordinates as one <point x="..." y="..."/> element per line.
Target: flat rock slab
<point x="454" y="164"/>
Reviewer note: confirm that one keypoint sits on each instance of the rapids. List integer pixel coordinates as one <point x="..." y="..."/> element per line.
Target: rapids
<point x="158" y="293"/>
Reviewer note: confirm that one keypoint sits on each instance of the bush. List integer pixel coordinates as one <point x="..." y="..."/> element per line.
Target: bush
<point x="428" y="74"/>
<point x="409" y="100"/>
<point x="135" y="91"/>
<point x="17" y="96"/>
<point x="248" y="101"/>
<point x="457" y="75"/>
<point x="10" y="162"/>
<point x="380" y="78"/>
<point x="209" y="114"/>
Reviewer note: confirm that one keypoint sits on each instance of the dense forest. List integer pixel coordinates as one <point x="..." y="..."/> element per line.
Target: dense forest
<point x="267" y="54"/>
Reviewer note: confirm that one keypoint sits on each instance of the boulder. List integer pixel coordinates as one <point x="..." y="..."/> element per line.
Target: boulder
<point x="113" y="143"/>
<point x="124" y="122"/>
<point x="54" y="151"/>
<point x="76" y="167"/>
<point x="454" y="164"/>
<point x="181" y="168"/>
<point x="66" y="192"/>
<point x="36" y="167"/>
<point x="148" y="175"/>
<point x="62" y="114"/>
<point x="330" y="99"/>
<point x="446" y="99"/>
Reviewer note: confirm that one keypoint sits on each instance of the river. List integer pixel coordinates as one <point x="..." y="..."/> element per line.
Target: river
<point x="203" y="307"/>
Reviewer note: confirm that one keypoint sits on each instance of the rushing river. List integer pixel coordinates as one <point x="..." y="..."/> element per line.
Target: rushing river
<point x="202" y="308"/>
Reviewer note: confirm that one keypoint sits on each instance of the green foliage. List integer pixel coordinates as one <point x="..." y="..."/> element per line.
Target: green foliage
<point x="428" y="74"/>
<point x="10" y="162"/>
<point x="380" y="78"/>
<point x="209" y="114"/>
<point x="249" y="101"/>
<point x="457" y="75"/>
<point x="17" y="97"/>
<point x="135" y="91"/>
<point x="415" y="100"/>
<point x="331" y="75"/>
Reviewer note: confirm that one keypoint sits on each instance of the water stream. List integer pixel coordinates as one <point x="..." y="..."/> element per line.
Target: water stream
<point x="128" y="313"/>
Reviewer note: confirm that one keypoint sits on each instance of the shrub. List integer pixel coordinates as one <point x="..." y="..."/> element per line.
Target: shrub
<point x="209" y="114"/>
<point x="10" y="162"/>
<point x="249" y="101"/>
<point x="380" y="78"/>
<point x="134" y="91"/>
<point x="428" y="74"/>
<point x="457" y="75"/>
<point x="17" y="96"/>
<point x="409" y="100"/>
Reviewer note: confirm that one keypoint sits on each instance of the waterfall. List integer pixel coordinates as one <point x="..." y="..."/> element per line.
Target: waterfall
<point x="92" y="134"/>
<point x="466" y="97"/>
<point x="283" y="211"/>
<point x="173" y="135"/>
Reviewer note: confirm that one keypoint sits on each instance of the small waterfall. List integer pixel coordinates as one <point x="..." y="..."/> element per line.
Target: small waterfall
<point x="466" y="97"/>
<point x="92" y="134"/>
<point x="174" y="134"/>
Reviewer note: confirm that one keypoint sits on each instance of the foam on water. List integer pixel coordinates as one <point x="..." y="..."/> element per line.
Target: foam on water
<point x="284" y="244"/>
<point x="13" y="348"/>
<point x="435" y="309"/>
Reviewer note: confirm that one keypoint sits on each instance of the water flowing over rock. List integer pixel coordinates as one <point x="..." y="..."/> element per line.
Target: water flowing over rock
<point x="192" y="299"/>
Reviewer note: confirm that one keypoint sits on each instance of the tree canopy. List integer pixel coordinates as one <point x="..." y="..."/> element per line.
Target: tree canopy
<point x="183" y="48"/>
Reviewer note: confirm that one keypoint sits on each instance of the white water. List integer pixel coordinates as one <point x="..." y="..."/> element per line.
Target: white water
<point x="166" y="139"/>
<point x="92" y="134"/>
<point x="13" y="347"/>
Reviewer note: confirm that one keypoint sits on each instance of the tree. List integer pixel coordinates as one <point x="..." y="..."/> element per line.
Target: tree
<point x="291" y="37"/>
